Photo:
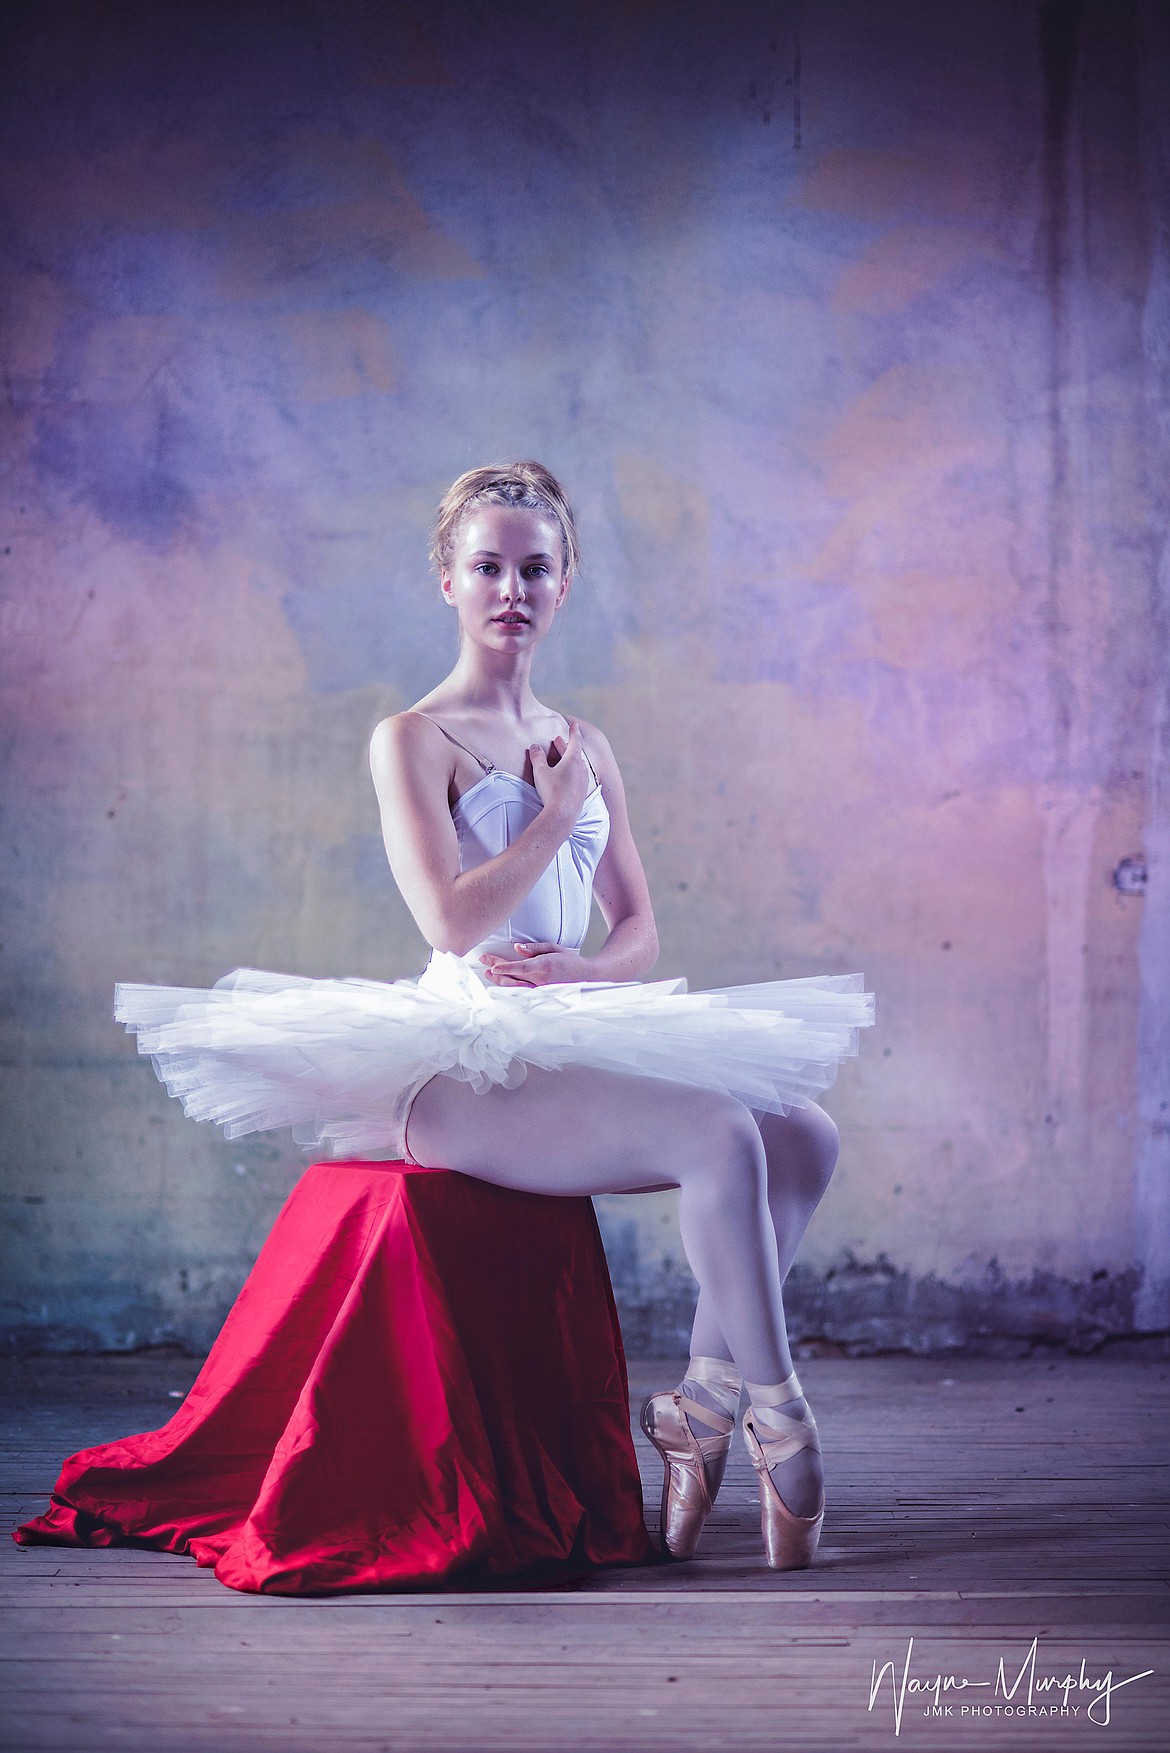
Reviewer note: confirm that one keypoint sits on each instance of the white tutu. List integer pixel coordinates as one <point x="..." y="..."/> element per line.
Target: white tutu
<point x="337" y="1060"/>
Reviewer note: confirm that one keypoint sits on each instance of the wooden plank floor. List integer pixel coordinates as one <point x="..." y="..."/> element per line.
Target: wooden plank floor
<point x="973" y="1507"/>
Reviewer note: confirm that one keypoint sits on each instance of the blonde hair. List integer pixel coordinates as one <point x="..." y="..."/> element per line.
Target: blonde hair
<point x="528" y="485"/>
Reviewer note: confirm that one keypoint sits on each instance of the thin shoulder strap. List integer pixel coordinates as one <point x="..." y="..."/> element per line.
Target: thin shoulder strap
<point x="488" y="766"/>
<point x="589" y="764"/>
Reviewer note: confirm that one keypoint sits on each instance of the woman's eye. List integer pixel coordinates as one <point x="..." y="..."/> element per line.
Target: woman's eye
<point x="487" y="566"/>
<point x="536" y="571"/>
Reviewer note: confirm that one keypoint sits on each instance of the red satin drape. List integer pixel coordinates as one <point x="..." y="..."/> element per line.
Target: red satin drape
<point x="422" y="1382"/>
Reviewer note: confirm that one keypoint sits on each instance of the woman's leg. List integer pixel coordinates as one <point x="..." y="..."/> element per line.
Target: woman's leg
<point x="581" y="1131"/>
<point x="801" y="1149"/>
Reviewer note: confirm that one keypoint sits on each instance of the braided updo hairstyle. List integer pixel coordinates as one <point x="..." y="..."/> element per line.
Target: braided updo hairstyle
<point x="528" y="485"/>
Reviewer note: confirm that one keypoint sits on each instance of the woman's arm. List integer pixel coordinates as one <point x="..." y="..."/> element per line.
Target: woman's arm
<point x="621" y="891"/>
<point x="412" y="766"/>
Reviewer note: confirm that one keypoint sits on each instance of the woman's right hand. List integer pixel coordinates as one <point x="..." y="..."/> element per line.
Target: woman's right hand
<point x="565" y="786"/>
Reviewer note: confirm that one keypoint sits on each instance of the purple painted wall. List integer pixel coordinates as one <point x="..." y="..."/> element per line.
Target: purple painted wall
<point x="847" y="326"/>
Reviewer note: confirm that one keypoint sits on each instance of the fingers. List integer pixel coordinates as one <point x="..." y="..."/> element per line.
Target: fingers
<point x="564" y="750"/>
<point x="505" y="966"/>
<point x="536" y="971"/>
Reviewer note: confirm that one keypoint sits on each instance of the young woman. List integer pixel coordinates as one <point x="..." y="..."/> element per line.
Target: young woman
<point x="517" y="1059"/>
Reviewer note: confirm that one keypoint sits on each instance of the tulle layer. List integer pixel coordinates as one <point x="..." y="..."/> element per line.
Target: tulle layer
<point x="333" y="1058"/>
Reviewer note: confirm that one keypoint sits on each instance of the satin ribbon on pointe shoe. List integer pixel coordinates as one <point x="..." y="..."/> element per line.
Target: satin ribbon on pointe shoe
<point x="789" y="1541"/>
<point x="692" y="1465"/>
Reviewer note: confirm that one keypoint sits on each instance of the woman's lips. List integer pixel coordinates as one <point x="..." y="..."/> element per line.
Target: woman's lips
<point x="511" y="620"/>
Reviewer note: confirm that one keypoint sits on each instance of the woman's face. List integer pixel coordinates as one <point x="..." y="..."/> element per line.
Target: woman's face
<point x="505" y="576"/>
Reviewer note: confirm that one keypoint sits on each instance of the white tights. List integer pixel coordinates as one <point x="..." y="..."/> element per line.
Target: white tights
<point x="747" y="1189"/>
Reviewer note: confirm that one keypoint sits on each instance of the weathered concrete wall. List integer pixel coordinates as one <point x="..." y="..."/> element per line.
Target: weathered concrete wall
<point x="847" y="326"/>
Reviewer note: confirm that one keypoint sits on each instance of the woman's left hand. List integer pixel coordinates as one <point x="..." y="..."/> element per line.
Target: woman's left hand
<point x="539" y="964"/>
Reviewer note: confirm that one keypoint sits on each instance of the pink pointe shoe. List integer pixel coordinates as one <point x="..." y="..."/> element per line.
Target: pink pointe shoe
<point x="693" y="1465"/>
<point x="789" y="1541"/>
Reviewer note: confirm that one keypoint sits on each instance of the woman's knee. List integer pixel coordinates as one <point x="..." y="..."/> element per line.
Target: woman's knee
<point x="724" y="1148"/>
<point x="824" y="1137"/>
<point x="803" y="1147"/>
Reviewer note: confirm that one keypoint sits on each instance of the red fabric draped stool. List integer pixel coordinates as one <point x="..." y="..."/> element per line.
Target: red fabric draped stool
<point x="421" y="1383"/>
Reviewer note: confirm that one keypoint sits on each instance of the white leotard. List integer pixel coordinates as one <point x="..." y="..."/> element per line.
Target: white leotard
<point x="489" y="816"/>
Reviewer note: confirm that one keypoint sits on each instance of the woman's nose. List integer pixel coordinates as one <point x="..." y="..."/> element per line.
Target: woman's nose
<point x="511" y="586"/>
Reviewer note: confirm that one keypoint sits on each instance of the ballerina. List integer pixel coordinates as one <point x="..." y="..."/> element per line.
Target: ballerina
<point x="516" y="1058"/>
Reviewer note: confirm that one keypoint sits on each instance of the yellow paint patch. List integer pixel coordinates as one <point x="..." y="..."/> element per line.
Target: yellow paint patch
<point x="899" y="267"/>
<point x="909" y="422"/>
<point x="357" y="208"/>
<point x="670" y="510"/>
<point x="671" y="529"/>
<point x="332" y="355"/>
<point x="874" y="185"/>
<point x="929" y="622"/>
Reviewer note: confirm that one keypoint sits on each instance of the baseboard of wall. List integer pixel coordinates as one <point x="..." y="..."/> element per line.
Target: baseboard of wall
<point x="859" y="1308"/>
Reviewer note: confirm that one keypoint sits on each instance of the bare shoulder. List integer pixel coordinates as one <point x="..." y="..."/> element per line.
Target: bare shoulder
<point x="600" y="752"/>
<point x="405" y="740"/>
<point x="595" y="739"/>
<point x="599" y="749"/>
